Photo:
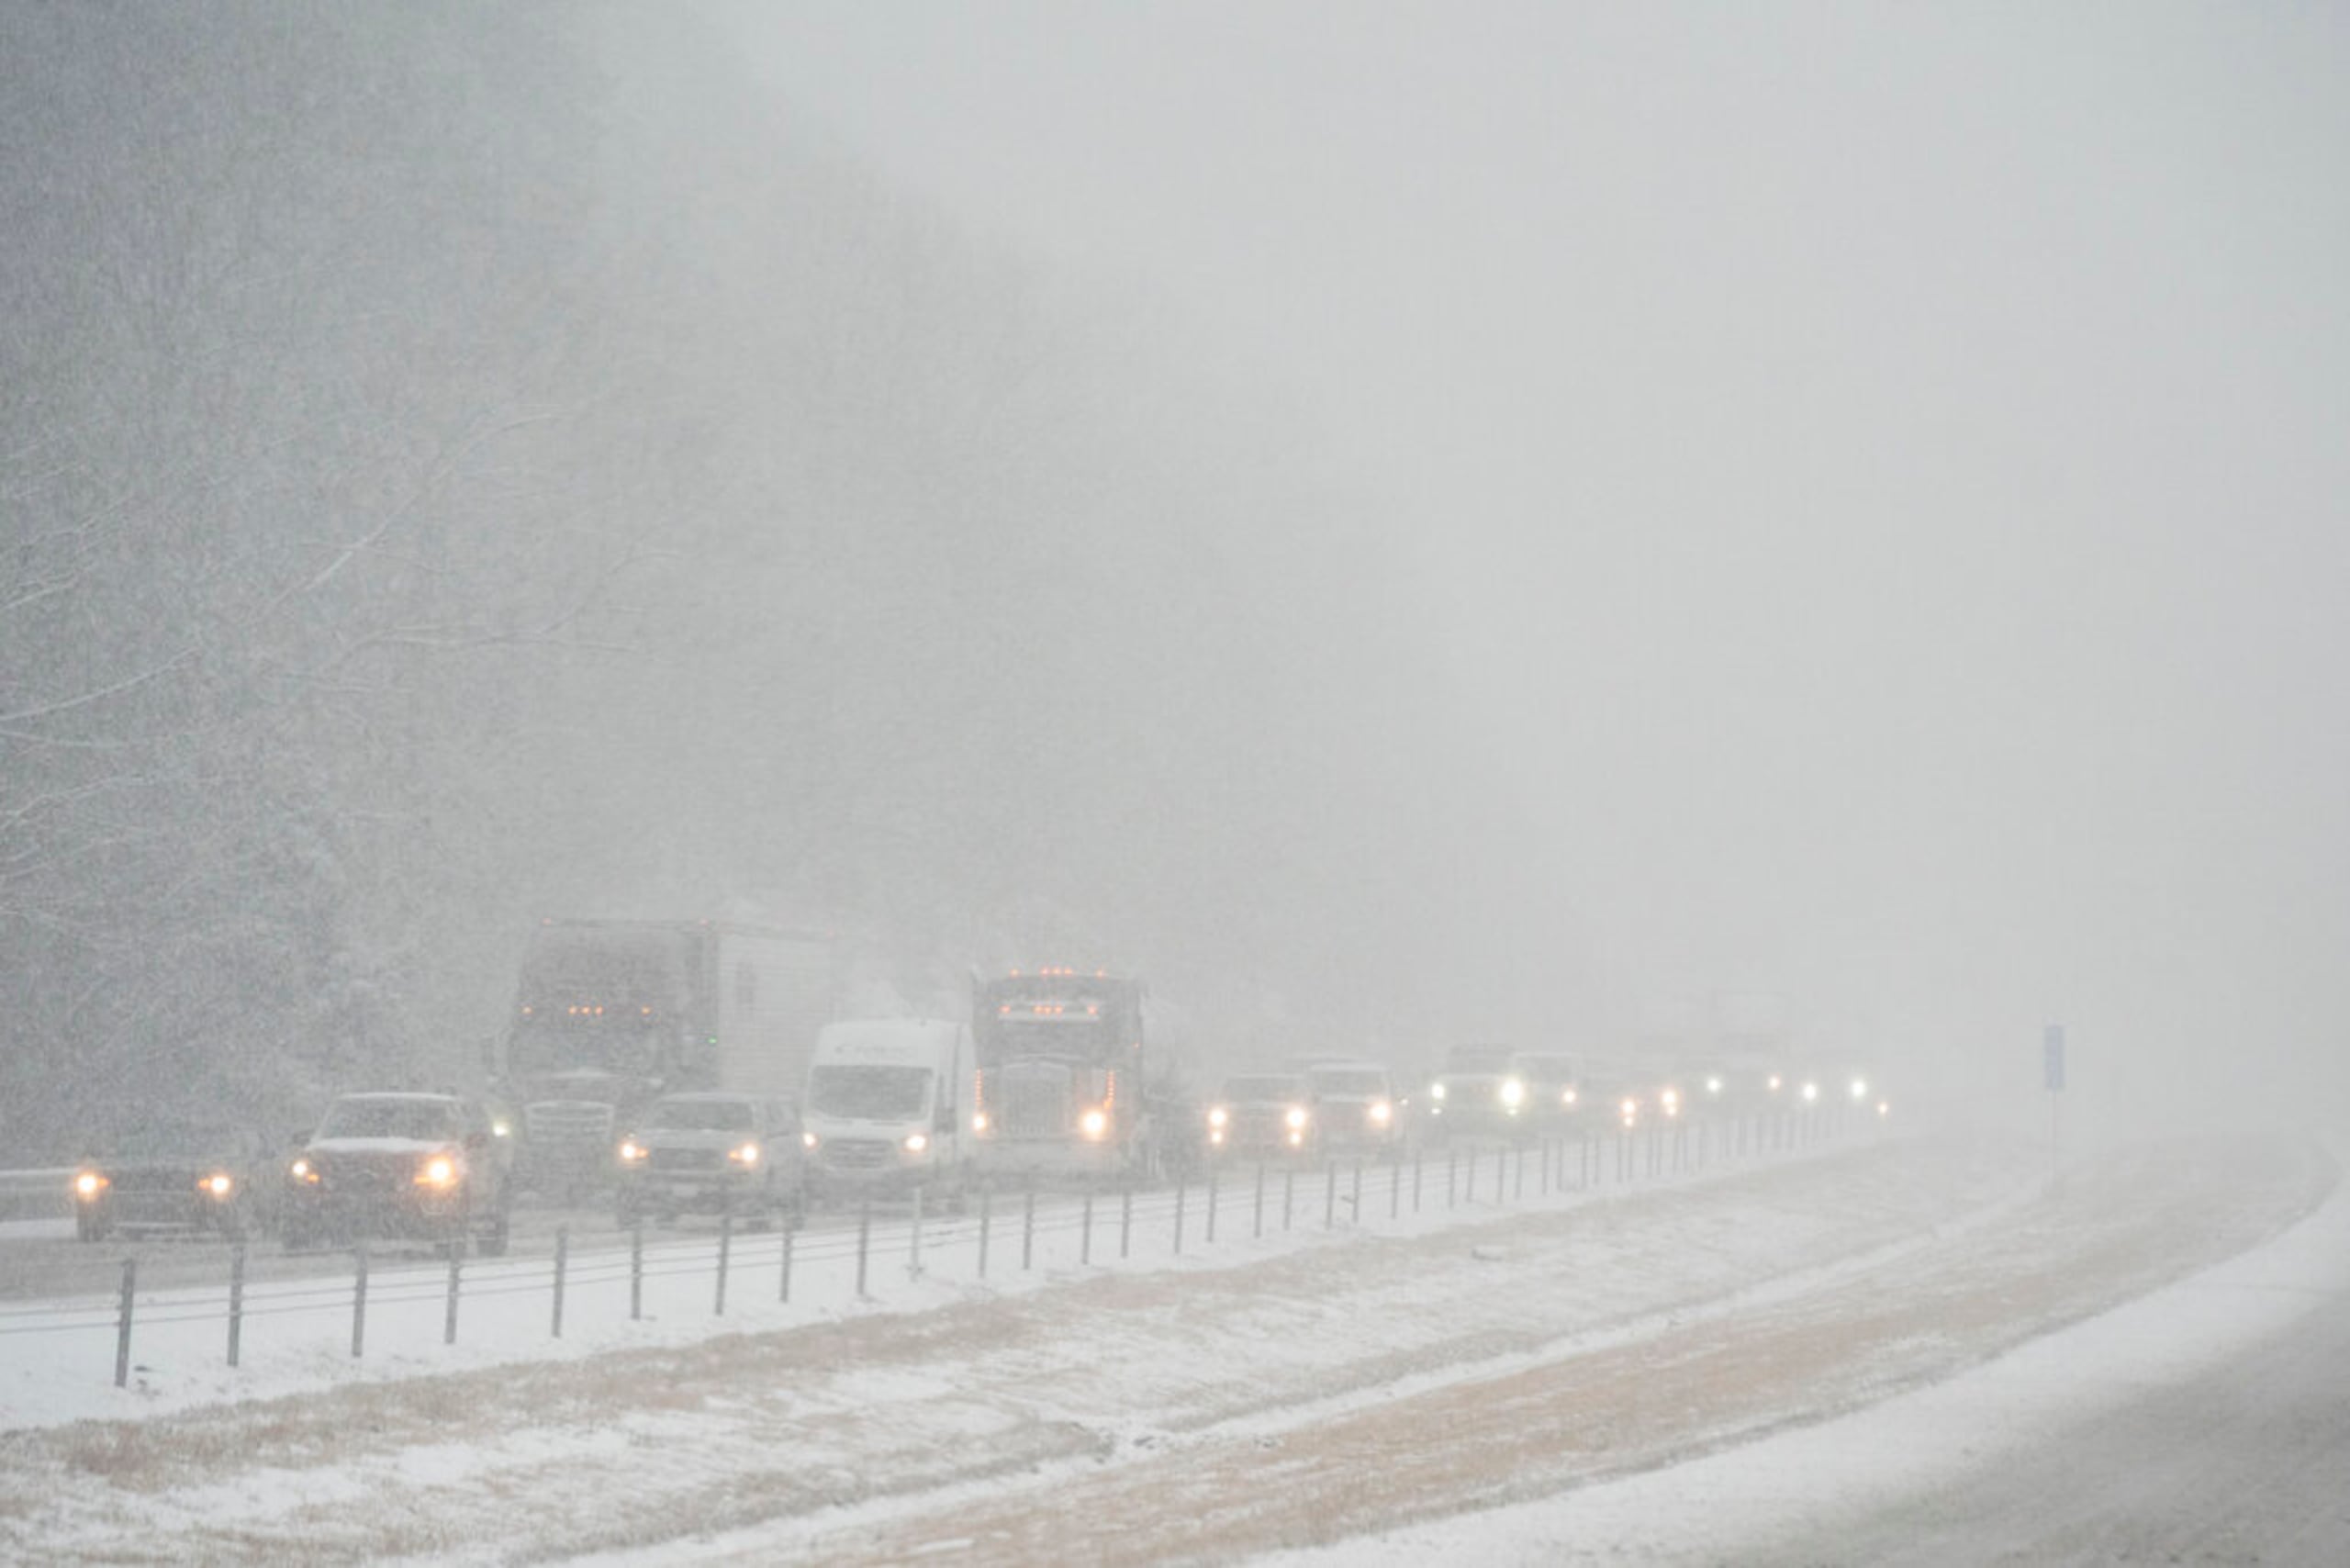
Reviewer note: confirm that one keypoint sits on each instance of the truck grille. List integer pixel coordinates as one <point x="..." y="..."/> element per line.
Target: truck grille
<point x="567" y="1122"/>
<point x="856" y="1153"/>
<point x="1032" y="1101"/>
<point x="694" y="1161"/>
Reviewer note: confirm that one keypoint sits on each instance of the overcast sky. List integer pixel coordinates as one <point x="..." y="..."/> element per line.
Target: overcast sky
<point x="1881" y="469"/>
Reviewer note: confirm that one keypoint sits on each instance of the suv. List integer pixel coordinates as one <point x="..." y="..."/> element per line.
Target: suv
<point x="712" y="1153"/>
<point x="1354" y="1104"/>
<point x="429" y="1166"/>
<point x="1263" y="1114"/>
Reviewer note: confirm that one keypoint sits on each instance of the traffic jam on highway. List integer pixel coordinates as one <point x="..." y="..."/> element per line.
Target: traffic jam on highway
<point x="665" y="1070"/>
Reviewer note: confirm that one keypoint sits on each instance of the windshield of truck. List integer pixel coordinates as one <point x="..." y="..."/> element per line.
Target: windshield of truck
<point x="870" y="1093"/>
<point x="1256" y="1091"/>
<point x="699" y="1115"/>
<point x="423" y="1120"/>
<point x="1546" y="1069"/>
<point x="1349" y="1081"/>
<point x="587" y="1044"/>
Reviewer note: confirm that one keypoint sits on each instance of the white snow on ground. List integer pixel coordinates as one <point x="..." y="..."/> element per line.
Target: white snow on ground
<point x="57" y="1356"/>
<point x="1712" y="1509"/>
<point x="951" y="1407"/>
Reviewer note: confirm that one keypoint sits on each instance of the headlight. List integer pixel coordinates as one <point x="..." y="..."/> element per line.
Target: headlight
<point x="1513" y="1092"/>
<point x="1774" y="1084"/>
<point x="1671" y="1098"/>
<point x="1810" y="1093"/>
<point x="1219" y="1116"/>
<point x="1629" y="1110"/>
<point x="501" y="1128"/>
<point x="89" y="1184"/>
<point x="1296" y="1119"/>
<point x="438" y="1171"/>
<point x="1296" y="1139"/>
<point x="1436" y="1091"/>
<point x="979" y="1124"/>
<point x="219" y="1185"/>
<point x="917" y="1142"/>
<point x="1381" y="1111"/>
<point x="632" y="1152"/>
<point x="1095" y="1122"/>
<point x="303" y="1170"/>
<point x="1860" y="1089"/>
<point x="1884" y="1107"/>
<point x="744" y="1154"/>
<point x="1566" y="1096"/>
<point x="1216" y="1134"/>
<point x="1713" y="1086"/>
<point x="809" y="1140"/>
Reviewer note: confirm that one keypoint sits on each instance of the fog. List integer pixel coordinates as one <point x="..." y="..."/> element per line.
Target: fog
<point x="1399" y="525"/>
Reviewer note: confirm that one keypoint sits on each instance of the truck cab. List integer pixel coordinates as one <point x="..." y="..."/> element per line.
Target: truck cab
<point x="886" y="1107"/>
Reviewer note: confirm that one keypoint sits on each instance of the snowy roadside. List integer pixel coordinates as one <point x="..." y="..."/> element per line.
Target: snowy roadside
<point x="640" y="1447"/>
<point x="1730" y="1506"/>
<point x="297" y="1334"/>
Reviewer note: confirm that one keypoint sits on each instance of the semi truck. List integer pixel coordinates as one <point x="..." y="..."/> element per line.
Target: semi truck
<point x="1065" y="1084"/>
<point x="611" y="1013"/>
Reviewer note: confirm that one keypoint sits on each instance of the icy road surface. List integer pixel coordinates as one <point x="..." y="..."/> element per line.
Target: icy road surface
<point x="1318" y="1395"/>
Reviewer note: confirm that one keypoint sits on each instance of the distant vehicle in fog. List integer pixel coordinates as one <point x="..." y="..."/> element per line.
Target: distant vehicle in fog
<point x="425" y="1167"/>
<point x="712" y="1152"/>
<point x="1475" y="1093"/>
<point x="191" y="1180"/>
<point x="1258" y="1114"/>
<point x="1354" y="1104"/>
<point x="1553" y="1088"/>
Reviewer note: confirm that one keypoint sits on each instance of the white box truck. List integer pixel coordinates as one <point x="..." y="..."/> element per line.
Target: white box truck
<point x="887" y="1107"/>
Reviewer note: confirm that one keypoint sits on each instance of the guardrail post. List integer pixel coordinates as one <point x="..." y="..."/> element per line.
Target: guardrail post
<point x="1210" y="1226"/>
<point x="636" y="1272"/>
<point x="1517" y="1182"/>
<point x="1451" y="1176"/>
<point x="913" y="1241"/>
<point x="1085" y="1230"/>
<point x="1257" y="1220"/>
<point x="790" y="1234"/>
<point x="122" y="1323"/>
<point x="1500" y="1178"/>
<point x="359" y="1302"/>
<point x="1470" y="1184"/>
<point x="1180" y="1189"/>
<point x="1329" y="1194"/>
<point x="1418" y="1154"/>
<point x="236" y="1301"/>
<point x="1028" y="1226"/>
<point x="1125" y="1215"/>
<point x="456" y="1269"/>
<point x="987" y="1206"/>
<point x="1356" y="1199"/>
<point x="1289" y="1194"/>
<point x="1394" y="1188"/>
<point x="725" y="1255"/>
<point x="864" y="1243"/>
<point x="562" y="1266"/>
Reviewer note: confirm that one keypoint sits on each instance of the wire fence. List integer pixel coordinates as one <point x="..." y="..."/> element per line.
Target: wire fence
<point x="989" y="1231"/>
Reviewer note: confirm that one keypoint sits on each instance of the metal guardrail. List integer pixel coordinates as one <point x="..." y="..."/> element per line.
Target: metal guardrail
<point x="36" y="1194"/>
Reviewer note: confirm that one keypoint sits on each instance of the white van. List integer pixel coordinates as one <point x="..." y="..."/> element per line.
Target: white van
<point x="884" y="1110"/>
